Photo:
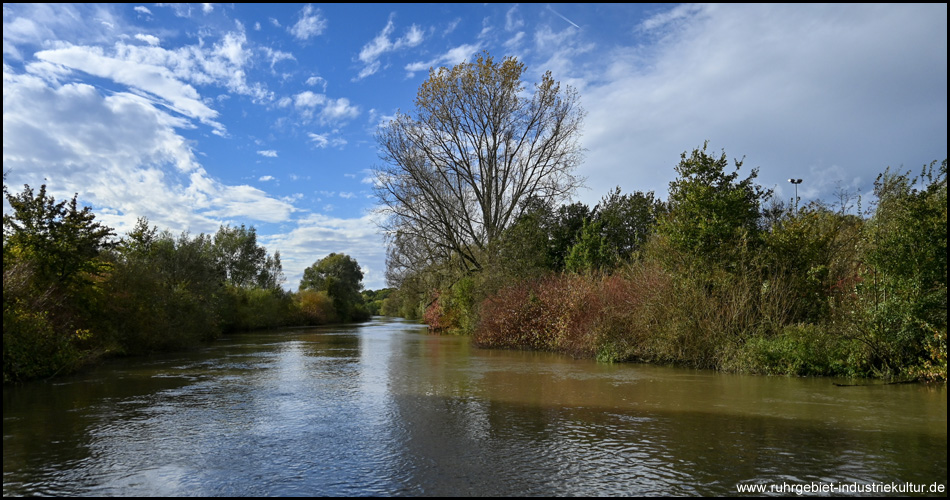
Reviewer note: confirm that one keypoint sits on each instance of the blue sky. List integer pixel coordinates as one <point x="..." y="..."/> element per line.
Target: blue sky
<point x="198" y="115"/>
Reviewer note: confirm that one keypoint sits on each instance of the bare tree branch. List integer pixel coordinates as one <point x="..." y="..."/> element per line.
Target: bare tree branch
<point x="456" y="173"/>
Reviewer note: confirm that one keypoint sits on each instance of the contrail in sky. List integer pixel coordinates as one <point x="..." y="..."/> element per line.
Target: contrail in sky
<point x="564" y="18"/>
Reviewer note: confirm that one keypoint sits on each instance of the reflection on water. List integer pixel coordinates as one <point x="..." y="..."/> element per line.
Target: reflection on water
<point x="383" y="409"/>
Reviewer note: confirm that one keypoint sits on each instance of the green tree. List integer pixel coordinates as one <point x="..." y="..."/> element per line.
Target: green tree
<point x="62" y="241"/>
<point x="591" y="252"/>
<point x="165" y="292"/>
<point x="565" y="230"/>
<point x="52" y="263"/>
<point x="523" y="250"/>
<point x="905" y="286"/>
<point x="626" y="221"/>
<point x="245" y="264"/>
<point x="809" y="255"/>
<point x="712" y="212"/>
<point x="457" y="172"/>
<point x="341" y="278"/>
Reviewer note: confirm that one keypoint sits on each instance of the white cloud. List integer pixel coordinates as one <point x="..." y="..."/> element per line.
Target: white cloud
<point x="308" y="99"/>
<point x="316" y="80"/>
<point x="149" y="39"/>
<point x="270" y="153"/>
<point x="171" y="74"/>
<point x="236" y="202"/>
<point x="514" y="42"/>
<point x="513" y="19"/>
<point x="829" y="88"/>
<point x="207" y="8"/>
<point x="325" y="140"/>
<point x="27" y="26"/>
<point x="452" y="57"/>
<point x="310" y="24"/>
<point x="319" y="140"/>
<point x="381" y="44"/>
<point x="121" y="154"/>
<point x="141" y="9"/>
<point x="180" y="9"/>
<point x="265" y="178"/>
<point x="680" y="13"/>
<point x="368" y="70"/>
<point x="151" y="68"/>
<point x="275" y="56"/>
<point x="450" y="27"/>
<point x="332" y="111"/>
<point x="156" y="80"/>
<point x="338" y="110"/>
<point x="319" y="235"/>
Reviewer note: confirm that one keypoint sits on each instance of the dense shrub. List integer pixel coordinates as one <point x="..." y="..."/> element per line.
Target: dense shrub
<point x="316" y="308"/>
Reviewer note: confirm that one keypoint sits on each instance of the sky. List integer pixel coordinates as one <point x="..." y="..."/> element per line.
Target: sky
<point x="202" y="115"/>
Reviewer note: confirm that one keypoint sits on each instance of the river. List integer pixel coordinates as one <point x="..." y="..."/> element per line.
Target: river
<point x="383" y="409"/>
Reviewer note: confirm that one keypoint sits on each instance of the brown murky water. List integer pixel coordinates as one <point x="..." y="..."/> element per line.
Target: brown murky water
<point x="383" y="409"/>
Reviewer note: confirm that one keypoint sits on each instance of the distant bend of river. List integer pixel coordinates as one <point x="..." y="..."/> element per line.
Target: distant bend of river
<point x="385" y="409"/>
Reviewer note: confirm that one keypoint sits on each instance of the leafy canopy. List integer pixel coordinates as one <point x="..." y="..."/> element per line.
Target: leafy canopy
<point x="712" y="212"/>
<point x="61" y="240"/>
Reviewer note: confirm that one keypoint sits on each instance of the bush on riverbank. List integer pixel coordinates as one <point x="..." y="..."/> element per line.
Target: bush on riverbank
<point x="72" y="294"/>
<point x="811" y="291"/>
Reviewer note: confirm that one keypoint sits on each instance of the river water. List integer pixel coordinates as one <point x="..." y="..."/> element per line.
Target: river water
<point x="383" y="409"/>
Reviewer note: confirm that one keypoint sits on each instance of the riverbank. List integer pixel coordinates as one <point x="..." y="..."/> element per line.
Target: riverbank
<point x="713" y="278"/>
<point x="644" y="314"/>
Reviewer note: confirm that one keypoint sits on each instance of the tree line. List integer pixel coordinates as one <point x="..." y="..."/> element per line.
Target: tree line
<point x="74" y="293"/>
<point x="718" y="275"/>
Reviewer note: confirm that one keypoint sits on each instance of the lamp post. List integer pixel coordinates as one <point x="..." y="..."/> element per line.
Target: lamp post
<point x="796" y="182"/>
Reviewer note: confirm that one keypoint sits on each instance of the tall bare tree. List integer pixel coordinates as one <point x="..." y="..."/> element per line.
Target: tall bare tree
<point x="457" y="172"/>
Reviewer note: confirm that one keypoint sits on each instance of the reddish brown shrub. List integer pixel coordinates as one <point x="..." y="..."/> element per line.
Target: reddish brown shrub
<point x="581" y="315"/>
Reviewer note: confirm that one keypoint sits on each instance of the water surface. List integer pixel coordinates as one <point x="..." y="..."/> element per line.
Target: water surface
<point x="384" y="409"/>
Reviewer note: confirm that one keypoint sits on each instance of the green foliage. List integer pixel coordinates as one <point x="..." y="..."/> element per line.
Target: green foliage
<point x="340" y="276"/>
<point x="626" y="221"/>
<point x="244" y="263"/>
<point x="374" y="300"/>
<point x="813" y="254"/>
<point x="524" y="246"/>
<point x="315" y="308"/>
<point x="62" y="241"/>
<point x="52" y="269"/>
<point x="164" y="292"/>
<point x="256" y="308"/>
<point x="71" y="295"/>
<point x="453" y="310"/>
<point x="713" y="278"/>
<point x="904" y="288"/>
<point x="404" y="302"/>
<point x="591" y="252"/>
<point x="801" y="350"/>
<point x="712" y="212"/>
<point x="564" y="229"/>
<point x="39" y="334"/>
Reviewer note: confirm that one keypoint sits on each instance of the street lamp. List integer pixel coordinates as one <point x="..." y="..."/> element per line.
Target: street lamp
<point x="796" y="182"/>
